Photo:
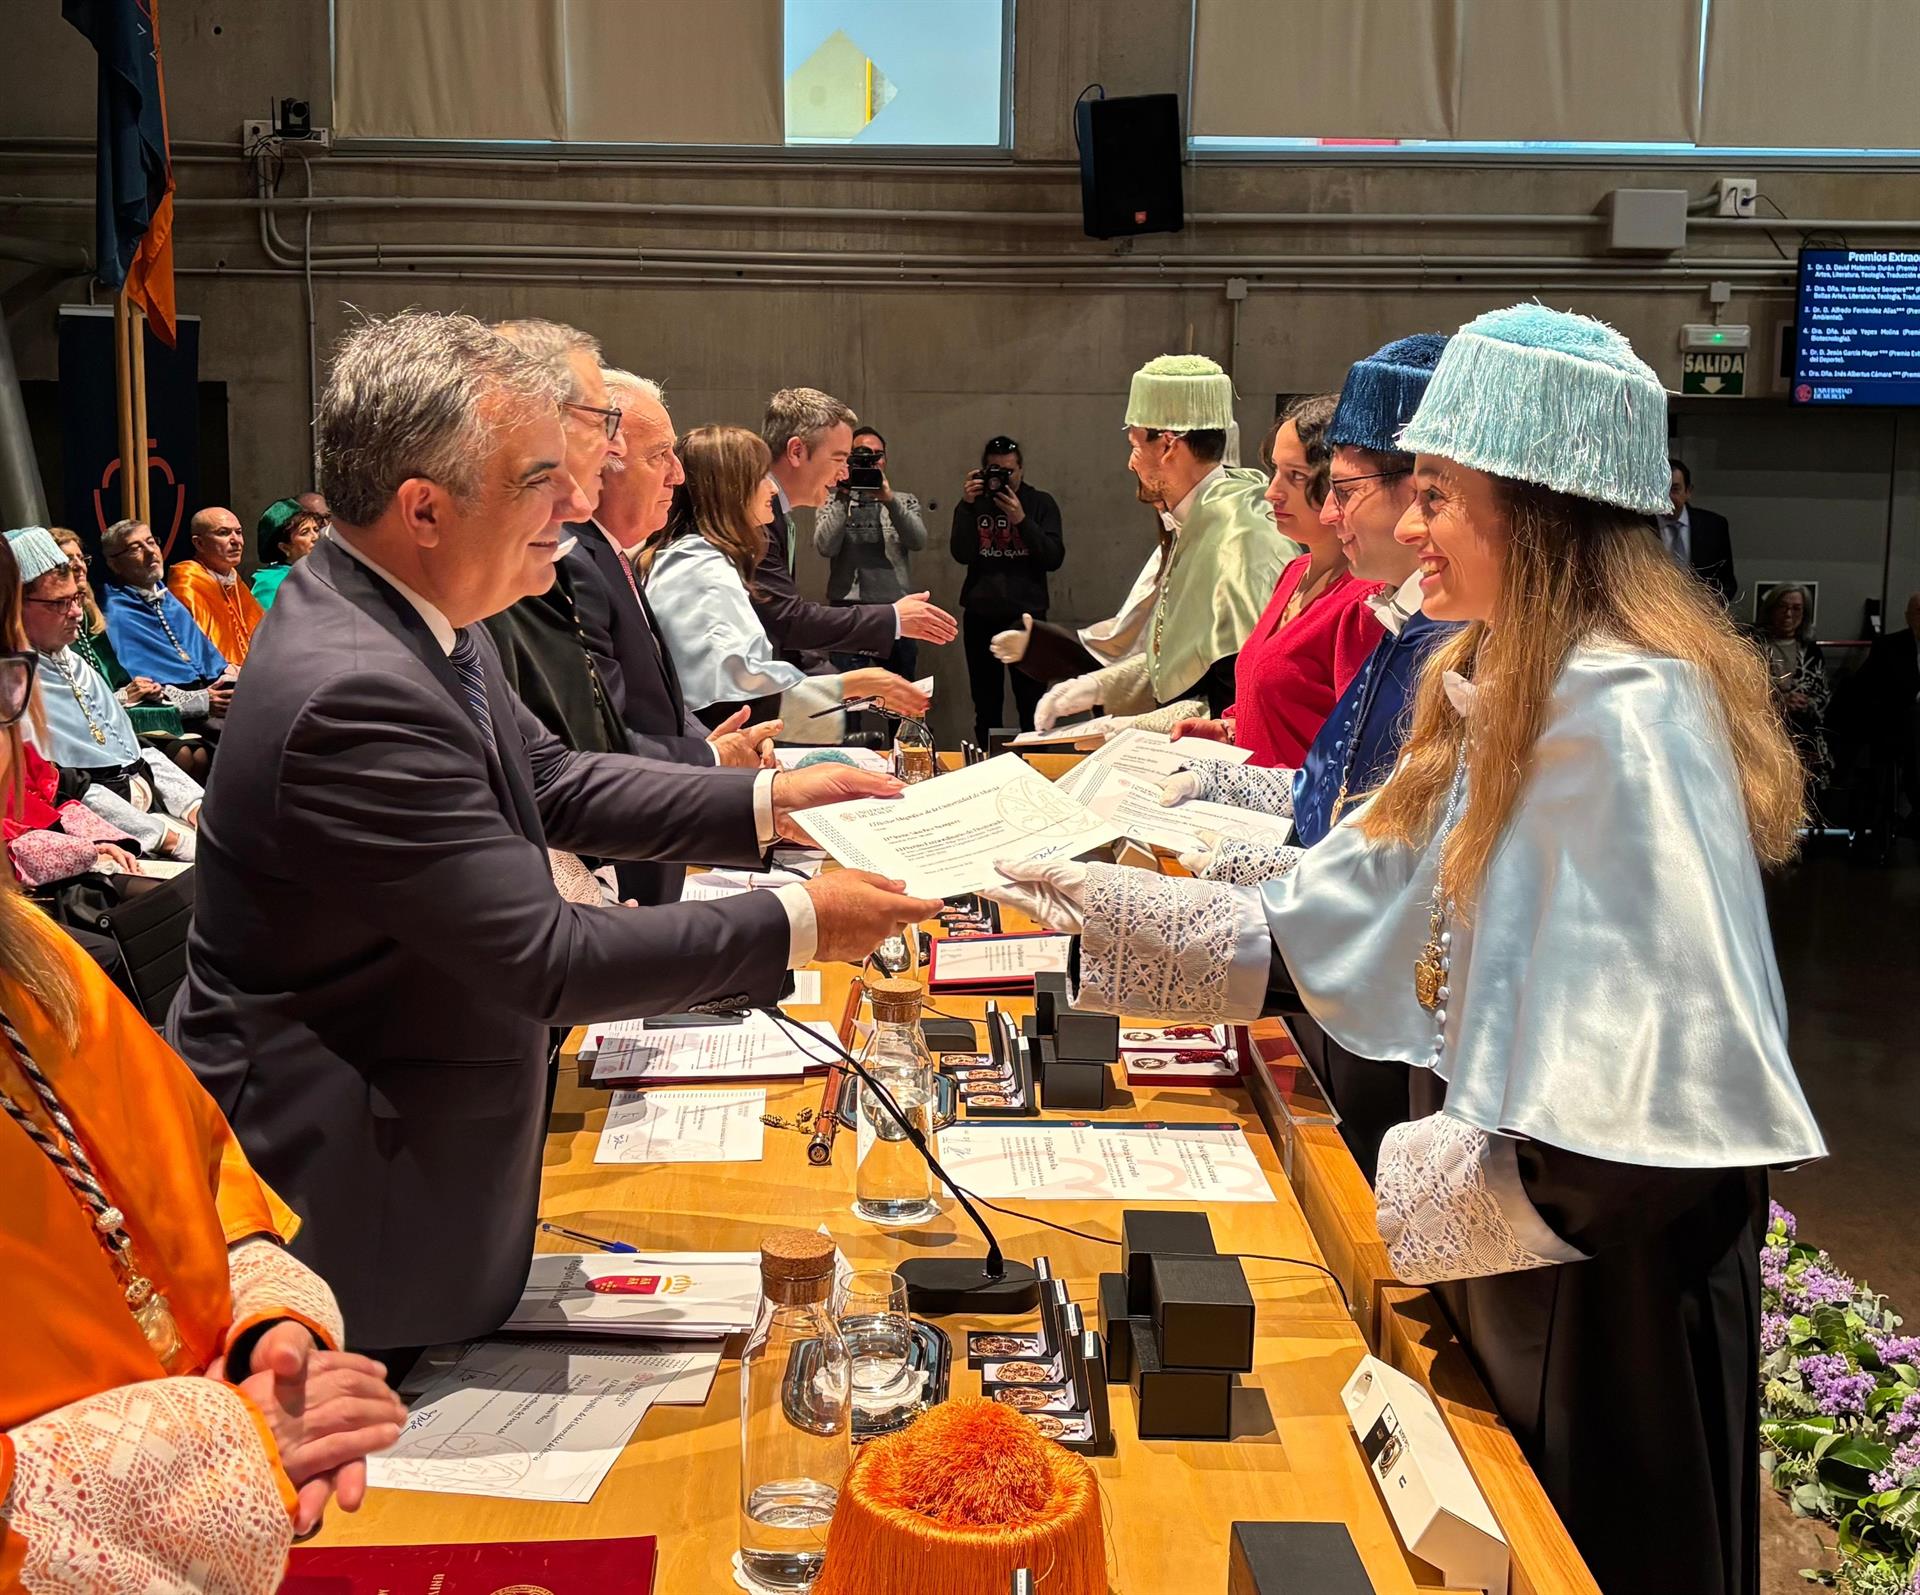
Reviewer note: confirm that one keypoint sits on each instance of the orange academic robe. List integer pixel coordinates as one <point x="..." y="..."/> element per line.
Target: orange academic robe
<point x="168" y="1160"/>
<point x="227" y="613"/>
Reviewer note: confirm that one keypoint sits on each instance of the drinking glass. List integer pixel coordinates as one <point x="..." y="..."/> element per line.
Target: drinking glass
<point x="870" y="1306"/>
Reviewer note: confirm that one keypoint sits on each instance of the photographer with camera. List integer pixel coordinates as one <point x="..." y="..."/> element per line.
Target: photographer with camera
<point x="1008" y="535"/>
<point x="868" y="533"/>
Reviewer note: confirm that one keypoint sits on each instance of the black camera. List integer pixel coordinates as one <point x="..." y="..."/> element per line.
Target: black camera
<point x="994" y="479"/>
<point x="863" y="471"/>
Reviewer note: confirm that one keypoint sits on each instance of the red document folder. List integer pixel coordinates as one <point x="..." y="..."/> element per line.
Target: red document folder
<point x="552" y="1567"/>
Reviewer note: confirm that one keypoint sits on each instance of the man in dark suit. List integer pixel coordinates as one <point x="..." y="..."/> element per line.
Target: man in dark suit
<point x="617" y="623"/>
<point x="1699" y="538"/>
<point x="811" y="435"/>
<point x="378" y="949"/>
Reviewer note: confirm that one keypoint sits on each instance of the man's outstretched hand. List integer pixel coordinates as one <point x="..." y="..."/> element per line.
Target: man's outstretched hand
<point x="854" y="912"/>
<point x="820" y="784"/>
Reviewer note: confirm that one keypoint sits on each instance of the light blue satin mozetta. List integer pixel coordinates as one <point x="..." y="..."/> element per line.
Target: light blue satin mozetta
<point x="720" y="649"/>
<point x="1613" y="989"/>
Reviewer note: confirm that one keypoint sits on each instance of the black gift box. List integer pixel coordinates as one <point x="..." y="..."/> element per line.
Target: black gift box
<point x="1177" y="1403"/>
<point x="1074" y="1086"/>
<point x="1052" y="996"/>
<point x="1078" y="1037"/>
<point x="1202" y="1312"/>
<point x="1116" y="1328"/>
<point x="1295" y="1559"/>
<point x="1145" y="1231"/>
<point x="950" y="1035"/>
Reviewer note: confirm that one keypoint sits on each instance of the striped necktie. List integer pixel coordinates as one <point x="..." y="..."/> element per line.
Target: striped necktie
<point x="473" y="685"/>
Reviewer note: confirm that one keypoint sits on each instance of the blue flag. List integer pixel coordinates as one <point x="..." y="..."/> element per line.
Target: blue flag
<point x="133" y="186"/>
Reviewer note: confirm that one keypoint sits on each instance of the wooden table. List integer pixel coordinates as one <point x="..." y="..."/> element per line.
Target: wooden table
<point x="1170" y="1504"/>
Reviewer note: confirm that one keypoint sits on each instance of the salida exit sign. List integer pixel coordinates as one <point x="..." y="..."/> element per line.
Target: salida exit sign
<point x="1717" y="374"/>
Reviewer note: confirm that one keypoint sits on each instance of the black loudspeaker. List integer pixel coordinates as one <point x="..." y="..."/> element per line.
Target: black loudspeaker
<point x="1130" y="165"/>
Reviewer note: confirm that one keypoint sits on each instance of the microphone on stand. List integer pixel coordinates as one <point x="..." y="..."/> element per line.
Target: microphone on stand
<point x="938" y="1287"/>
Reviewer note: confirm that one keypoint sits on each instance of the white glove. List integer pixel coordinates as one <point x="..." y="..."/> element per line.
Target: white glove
<point x="1178" y="788"/>
<point x="1051" y="891"/>
<point x="1070" y="697"/>
<point x="1010" y="647"/>
<point x="1206" y="849"/>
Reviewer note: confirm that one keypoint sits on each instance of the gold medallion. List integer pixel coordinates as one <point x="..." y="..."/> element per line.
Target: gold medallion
<point x="1428" y="976"/>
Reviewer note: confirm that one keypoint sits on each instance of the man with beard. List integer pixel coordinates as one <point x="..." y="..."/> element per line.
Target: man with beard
<point x="1226" y="553"/>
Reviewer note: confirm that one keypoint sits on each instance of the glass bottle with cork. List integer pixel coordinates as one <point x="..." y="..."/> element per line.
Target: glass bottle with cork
<point x="796" y="1436"/>
<point x="893" y="1184"/>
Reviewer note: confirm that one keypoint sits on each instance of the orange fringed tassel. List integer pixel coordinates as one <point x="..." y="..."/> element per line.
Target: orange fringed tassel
<point x="958" y="1502"/>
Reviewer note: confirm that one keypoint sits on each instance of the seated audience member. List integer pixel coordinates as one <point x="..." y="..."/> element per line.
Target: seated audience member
<point x="282" y="537"/>
<point x="378" y="953"/>
<point x="868" y="536"/>
<point x="47" y="840"/>
<point x="809" y="435"/>
<point x="210" y="586"/>
<point x="84" y="730"/>
<point x="174" y="1408"/>
<point x="1317" y="630"/>
<point x="702" y="572"/>
<point x="1801" y="690"/>
<point x="152" y="633"/>
<point x="147" y="703"/>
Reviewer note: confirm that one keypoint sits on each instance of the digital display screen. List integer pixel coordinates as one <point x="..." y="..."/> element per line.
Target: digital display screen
<point x="1858" y="321"/>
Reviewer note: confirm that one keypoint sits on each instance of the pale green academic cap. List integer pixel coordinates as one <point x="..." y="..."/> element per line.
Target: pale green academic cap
<point x="1181" y="393"/>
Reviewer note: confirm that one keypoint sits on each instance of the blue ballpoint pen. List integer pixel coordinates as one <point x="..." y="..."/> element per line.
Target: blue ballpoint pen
<point x="590" y="1240"/>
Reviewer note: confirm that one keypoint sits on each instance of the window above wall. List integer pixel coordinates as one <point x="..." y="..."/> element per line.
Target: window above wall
<point x="1612" y="79"/>
<point x="866" y="74"/>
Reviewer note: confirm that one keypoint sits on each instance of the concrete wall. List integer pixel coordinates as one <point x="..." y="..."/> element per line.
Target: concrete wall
<point x="942" y="366"/>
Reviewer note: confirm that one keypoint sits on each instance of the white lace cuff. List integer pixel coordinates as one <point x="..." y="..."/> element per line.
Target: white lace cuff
<point x="1265" y="791"/>
<point x="1451" y="1205"/>
<point x="165" y="1488"/>
<point x="1249" y="863"/>
<point x="1165" y="719"/>
<point x="1158" y="947"/>
<point x="268" y="1282"/>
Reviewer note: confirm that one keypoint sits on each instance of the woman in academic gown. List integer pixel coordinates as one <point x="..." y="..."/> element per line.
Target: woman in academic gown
<point x="174" y="1408"/>
<point x="1553" y="910"/>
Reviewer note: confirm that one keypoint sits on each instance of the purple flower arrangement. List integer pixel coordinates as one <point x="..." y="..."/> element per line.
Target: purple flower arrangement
<point x="1840" y="1411"/>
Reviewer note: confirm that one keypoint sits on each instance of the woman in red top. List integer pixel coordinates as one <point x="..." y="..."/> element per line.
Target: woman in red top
<point x="1317" y="630"/>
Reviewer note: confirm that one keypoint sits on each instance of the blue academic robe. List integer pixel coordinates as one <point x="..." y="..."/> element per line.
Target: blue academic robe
<point x="143" y="647"/>
<point x="1371" y="718"/>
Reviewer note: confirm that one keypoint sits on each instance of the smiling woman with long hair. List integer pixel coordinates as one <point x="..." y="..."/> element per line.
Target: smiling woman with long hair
<point x="1552" y="911"/>
<point x="699" y="574"/>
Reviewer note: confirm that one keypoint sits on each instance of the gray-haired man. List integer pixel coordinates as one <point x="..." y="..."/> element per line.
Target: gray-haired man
<point x="378" y="948"/>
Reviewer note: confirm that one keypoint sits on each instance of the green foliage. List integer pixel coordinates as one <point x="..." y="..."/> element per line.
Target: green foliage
<point x="1839" y="1419"/>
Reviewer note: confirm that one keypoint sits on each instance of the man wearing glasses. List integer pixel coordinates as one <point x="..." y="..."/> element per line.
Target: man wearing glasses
<point x="89" y="736"/>
<point x="1370" y="487"/>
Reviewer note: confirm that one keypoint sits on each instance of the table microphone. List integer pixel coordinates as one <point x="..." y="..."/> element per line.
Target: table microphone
<point x="938" y="1287"/>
